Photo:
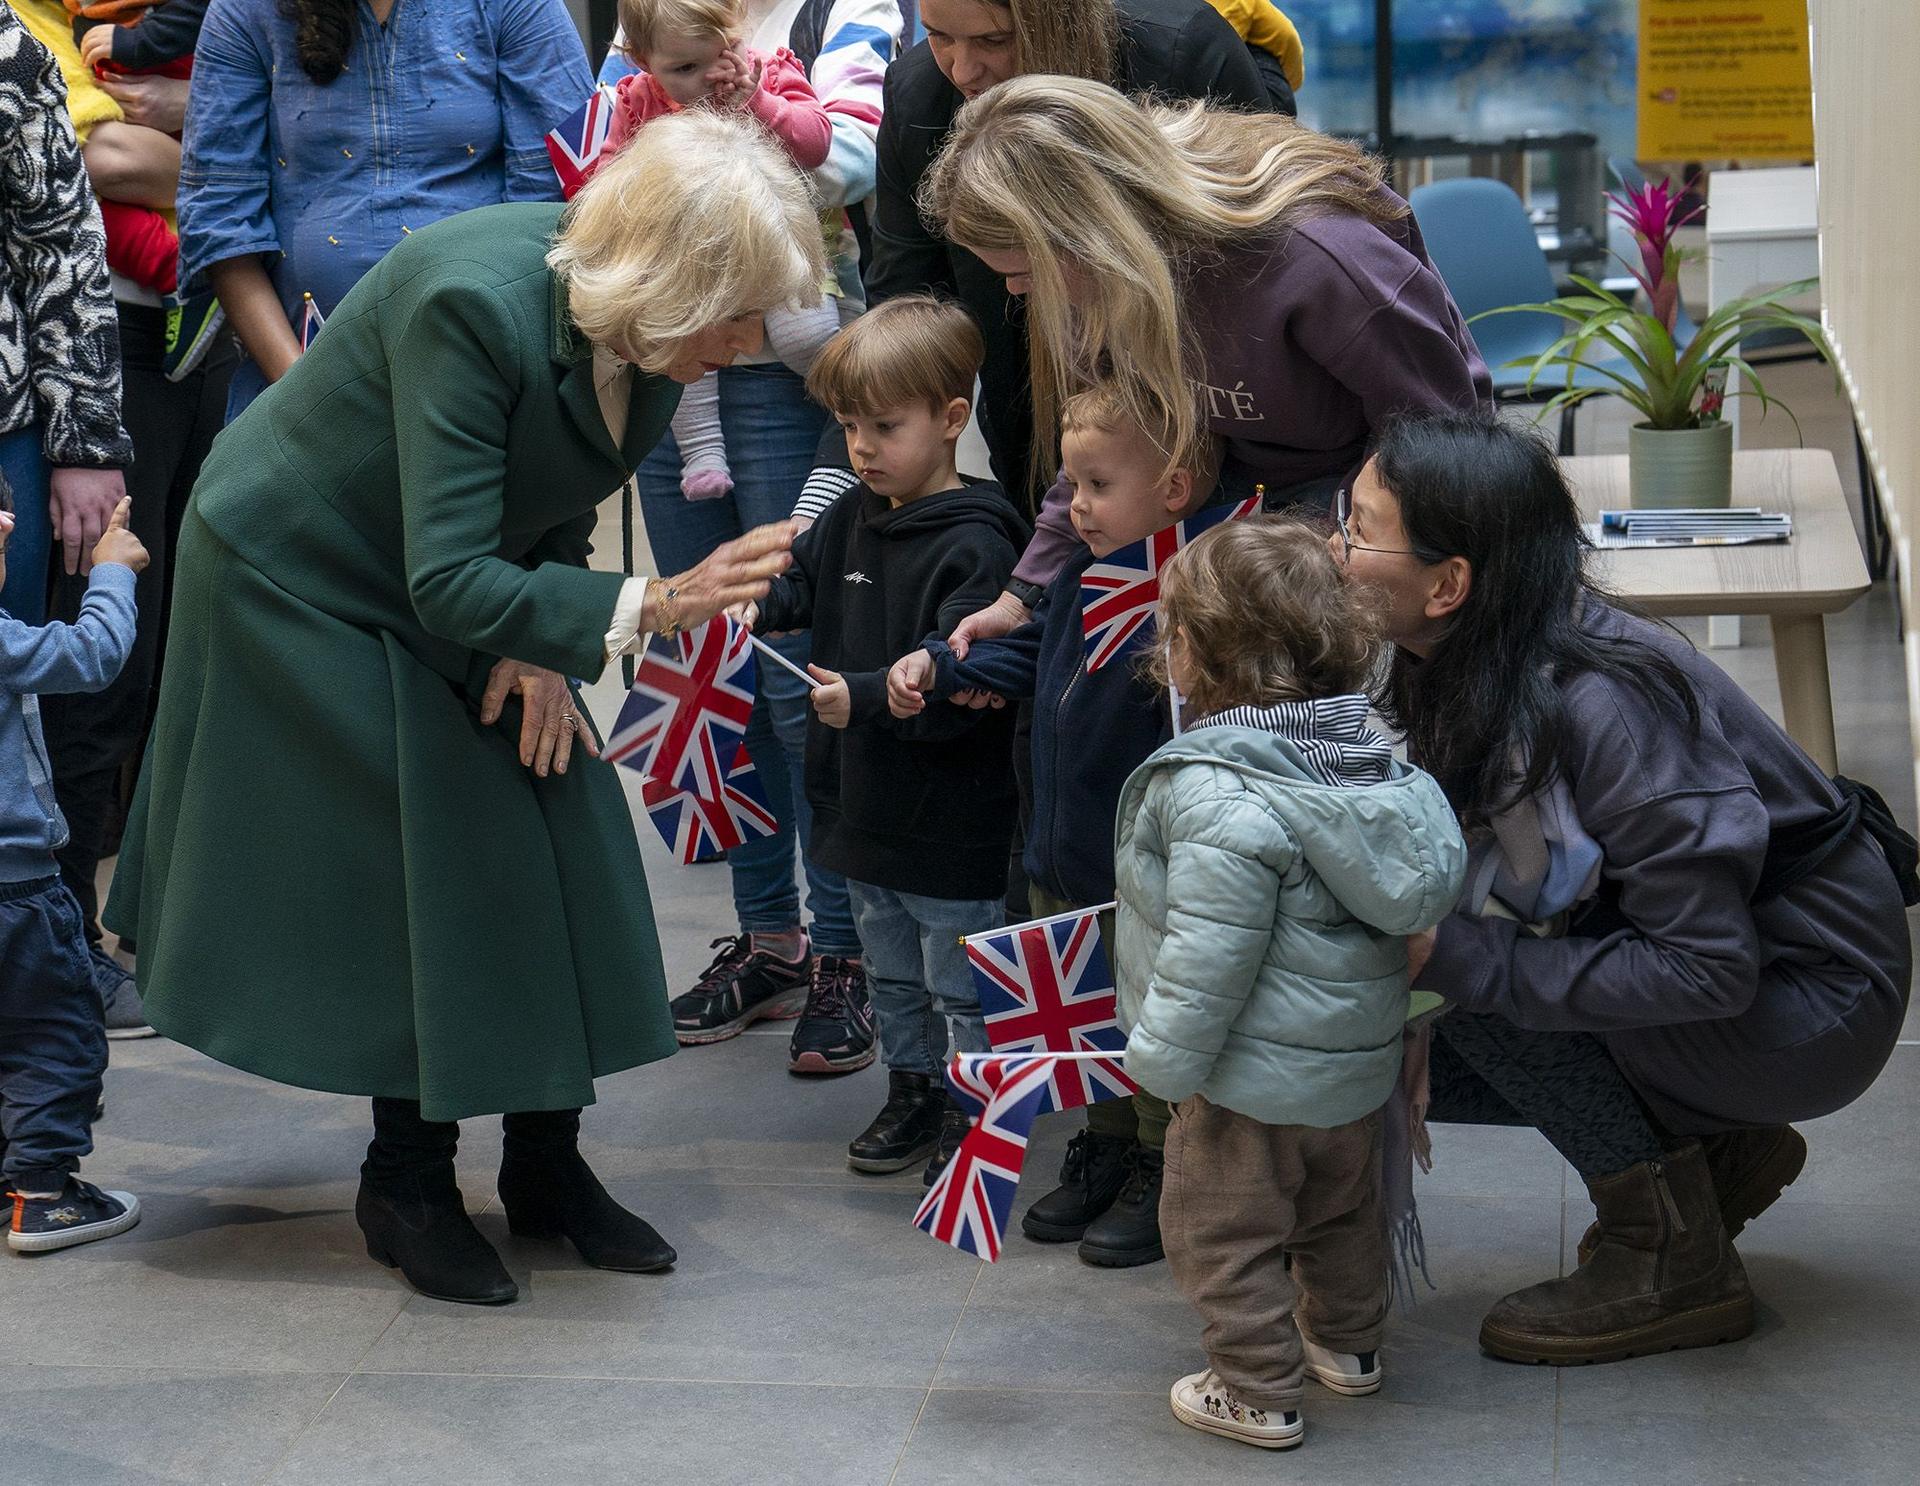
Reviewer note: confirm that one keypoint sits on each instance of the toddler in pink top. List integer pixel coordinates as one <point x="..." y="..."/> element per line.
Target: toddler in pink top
<point x="692" y="56"/>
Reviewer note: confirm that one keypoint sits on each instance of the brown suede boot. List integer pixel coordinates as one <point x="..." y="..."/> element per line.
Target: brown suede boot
<point x="1663" y="1276"/>
<point x="1750" y="1168"/>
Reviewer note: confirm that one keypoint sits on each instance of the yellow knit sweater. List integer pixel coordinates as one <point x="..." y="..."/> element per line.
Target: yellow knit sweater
<point x="87" y="101"/>
<point x="1263" y="24"/>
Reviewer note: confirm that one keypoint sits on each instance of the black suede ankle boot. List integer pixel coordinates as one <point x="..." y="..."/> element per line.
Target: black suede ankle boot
<point x="549" y="1191"/>
<point x="410" y="1210"/>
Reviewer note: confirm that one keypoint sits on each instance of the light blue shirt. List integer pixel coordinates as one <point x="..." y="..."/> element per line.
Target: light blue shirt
<point x="83" y="656"/>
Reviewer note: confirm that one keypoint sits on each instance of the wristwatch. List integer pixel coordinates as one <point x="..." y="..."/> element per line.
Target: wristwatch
<point x="1028" y="593"/>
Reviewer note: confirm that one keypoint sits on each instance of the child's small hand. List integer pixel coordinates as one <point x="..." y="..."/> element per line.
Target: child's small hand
<point x="96" y="46"/>
<point x="734" y="77"/>
<point x="907" y="679"/>
<point x="746" y="614"/>
<point x="117" y="544"/>
<point x="831" y="700"/>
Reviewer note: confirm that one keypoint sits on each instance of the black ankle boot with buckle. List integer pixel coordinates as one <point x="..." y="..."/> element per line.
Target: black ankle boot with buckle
<point x="1090" y="1178"/>
<point x="1128" y="1233"/>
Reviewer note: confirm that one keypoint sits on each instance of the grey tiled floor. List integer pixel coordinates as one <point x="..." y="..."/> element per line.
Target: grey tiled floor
<point x="240" y="1335"/>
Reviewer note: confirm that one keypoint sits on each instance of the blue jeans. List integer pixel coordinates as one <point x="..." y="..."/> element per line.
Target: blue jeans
<point x="30" y="548"/>
<point x="53" y="1038"/>
<point x="917" y="975"/>
<point x="772" y="431"/>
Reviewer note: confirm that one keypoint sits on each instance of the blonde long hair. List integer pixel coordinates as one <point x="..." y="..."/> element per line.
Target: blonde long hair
<point x="699" y="219"/>
<point x="1128" y="198"/>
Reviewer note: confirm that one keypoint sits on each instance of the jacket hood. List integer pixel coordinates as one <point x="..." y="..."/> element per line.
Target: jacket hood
<point x="978" y="500"/>
<point x="1390" y="852"/>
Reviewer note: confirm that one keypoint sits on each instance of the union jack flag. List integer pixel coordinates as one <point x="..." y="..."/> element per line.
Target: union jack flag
<point x="969" y="1203"/>
<point x="575" y="146"/>
<point x="1045" y="988"/>
<point x="310" y="320"/>
<point x="697" y="827"/>
<point x="688" y="709"/>
<point x="1118" y="593"/>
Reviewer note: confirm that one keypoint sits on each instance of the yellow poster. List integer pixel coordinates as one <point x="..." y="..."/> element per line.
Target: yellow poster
<point x="1725" y="79"/>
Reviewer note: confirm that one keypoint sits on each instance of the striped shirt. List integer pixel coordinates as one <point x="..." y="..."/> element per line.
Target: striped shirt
<point x="1332" y="734"/>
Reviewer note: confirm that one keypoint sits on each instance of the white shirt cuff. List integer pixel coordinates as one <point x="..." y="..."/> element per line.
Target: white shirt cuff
<point x="624" y="635"/>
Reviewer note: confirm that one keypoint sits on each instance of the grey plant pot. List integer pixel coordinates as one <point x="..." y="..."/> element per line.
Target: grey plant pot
<point x="1670" y="467"/>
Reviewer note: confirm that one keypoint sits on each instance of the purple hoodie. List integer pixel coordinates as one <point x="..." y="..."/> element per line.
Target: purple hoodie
<point x="1312" y="338"/>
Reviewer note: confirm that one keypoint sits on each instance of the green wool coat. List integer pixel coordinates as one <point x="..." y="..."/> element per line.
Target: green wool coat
<point x="336" y="876"/>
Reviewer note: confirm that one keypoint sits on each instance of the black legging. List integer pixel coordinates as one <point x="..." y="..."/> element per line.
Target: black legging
<point x="406" y="1146"/>
<point x="1487" y="1071"/>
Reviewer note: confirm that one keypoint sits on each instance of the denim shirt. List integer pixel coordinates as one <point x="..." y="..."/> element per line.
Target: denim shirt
<point x="444" y="108"/>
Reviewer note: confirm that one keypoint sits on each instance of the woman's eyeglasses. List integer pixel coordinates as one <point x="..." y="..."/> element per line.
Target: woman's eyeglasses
<point x="1342" y="513"/>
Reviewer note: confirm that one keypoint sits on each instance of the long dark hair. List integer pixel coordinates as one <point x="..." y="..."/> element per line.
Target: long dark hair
<point x="1472" y="486"/>
<point x="323" y="32"/>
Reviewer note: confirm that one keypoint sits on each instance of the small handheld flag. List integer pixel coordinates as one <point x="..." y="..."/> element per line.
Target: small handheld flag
<point x="1118" y="593"/>
<point x="696" y="827"/>
<point x="576" y="145"/>
<point x="688" y="708"/>
<point x="1045" y="988"/>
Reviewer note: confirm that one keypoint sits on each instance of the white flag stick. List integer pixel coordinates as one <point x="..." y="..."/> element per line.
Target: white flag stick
<point x="1114" y="1055"/>
<point x="1040" y="923"/>
<point x="1173" y="706"/>
<point x="765" y="649"/>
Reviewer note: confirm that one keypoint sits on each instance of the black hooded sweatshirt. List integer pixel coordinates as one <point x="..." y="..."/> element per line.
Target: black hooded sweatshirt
<point x="923" y="805"/>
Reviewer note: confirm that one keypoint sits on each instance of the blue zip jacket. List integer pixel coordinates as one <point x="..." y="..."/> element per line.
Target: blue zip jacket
<point x="1090" y="731"/>
<point x="83" y="656"/>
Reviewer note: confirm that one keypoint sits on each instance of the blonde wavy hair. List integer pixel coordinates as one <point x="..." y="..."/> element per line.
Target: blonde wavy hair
<point x="700" y="219"/>
<point x="644" y="24"/>
<point x="1076" y="38"/>
<point x="1127" y="199"/>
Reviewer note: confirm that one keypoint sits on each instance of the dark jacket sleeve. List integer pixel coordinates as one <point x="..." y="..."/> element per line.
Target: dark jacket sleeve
<point x="165" y="34"/>
<point x="1213" y="63"/>
<point x="1684" y="832"/>
<point x="789" y="602"/>
<point x="1008" y="667"/>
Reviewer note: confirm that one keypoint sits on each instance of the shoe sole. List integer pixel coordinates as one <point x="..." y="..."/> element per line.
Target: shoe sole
<point x="1346" y="1387"/>
<point x="128" y="1034"/>
<point x="197" y="349"/>
<point x="868" y="1166"/>
<point x="1120" y="1258"/>
<point x="1707" y="1326"/>
<point x="1771" y="1176"/>
<point x="380" y="1256"/>
<point x="1042" y="1232"/>
<point x="785" y="1008"/>
<point x="47" y="1243"/>
<point x="820" y="1065"/>
<point x="1226" y="1429"/>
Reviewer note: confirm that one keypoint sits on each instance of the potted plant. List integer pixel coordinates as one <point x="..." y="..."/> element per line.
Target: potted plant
<point x="1680" y="450"/>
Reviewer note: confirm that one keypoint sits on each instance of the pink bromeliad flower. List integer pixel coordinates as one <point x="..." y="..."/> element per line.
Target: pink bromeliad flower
<point x="1653" y="215"/>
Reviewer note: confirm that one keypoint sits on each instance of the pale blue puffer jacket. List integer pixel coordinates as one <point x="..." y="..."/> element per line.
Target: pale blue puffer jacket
<point x="1262" y="922"/>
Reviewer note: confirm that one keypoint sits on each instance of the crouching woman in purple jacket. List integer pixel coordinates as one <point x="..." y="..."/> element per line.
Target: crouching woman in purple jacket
<point x="1675" y="940"/>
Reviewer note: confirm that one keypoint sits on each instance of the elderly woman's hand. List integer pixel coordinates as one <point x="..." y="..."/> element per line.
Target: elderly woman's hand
<point x="737" y="573"/>
<point x="549" y="725"/>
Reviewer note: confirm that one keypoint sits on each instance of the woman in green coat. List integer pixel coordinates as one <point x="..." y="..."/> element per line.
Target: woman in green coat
<point x="359" y="859"/>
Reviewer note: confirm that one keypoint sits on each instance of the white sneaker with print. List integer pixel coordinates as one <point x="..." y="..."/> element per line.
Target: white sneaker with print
<point x="1202" y="1401"/>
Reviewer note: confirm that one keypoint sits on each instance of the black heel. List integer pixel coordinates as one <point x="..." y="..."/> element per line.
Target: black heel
<point x="528" y="1227"/>
<point x="419" y="1227"/>
<point x="379" y="1255"/>
<point x="556" y="1195"/>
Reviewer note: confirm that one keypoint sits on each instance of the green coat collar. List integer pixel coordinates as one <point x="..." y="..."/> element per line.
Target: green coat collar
<point x="574" y="351"/>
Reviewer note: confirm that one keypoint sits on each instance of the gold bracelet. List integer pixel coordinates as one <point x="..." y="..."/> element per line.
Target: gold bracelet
<point x="670" y="624"/>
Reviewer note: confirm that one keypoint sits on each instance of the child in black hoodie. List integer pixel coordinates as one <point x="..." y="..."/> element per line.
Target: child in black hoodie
<point x="916" y="813"/>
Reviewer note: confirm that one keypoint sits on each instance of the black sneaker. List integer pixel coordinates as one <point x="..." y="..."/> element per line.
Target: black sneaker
<point x="1128" y="1233"/>
<point x="193" y="325"/>
<point x="80" y="1214"/>
<point x="836" y="1033"/>
<point x="741" y="986"/>
<point x="907" y="1128"/>
<point x="1090" y="1178"/>
<point x="955" y="1122"/>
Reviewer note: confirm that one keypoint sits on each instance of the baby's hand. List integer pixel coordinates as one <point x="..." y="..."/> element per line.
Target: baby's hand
<point x="96" y="46"/>
<point x="831" y="700"/>
<point x="117" y="544"/>
<point x="907" y="679"/>
<point x="734" y="77"/>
